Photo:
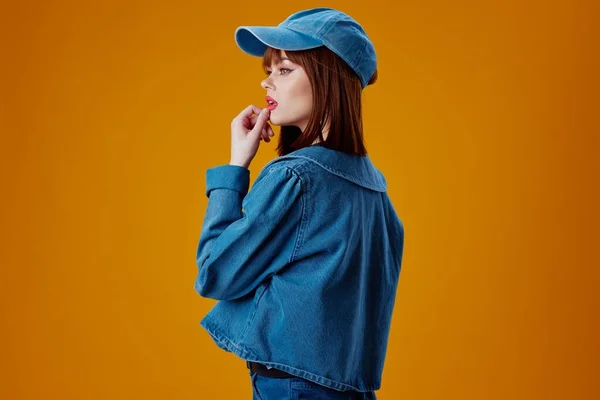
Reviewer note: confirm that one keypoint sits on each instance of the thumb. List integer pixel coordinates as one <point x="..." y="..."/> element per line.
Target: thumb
<point x="260" y="122"/>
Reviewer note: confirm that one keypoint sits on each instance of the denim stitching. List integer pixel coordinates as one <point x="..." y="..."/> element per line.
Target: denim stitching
<point x="251" y="317"/>
<point x="381" y="187"/>
<point x="246" y="354"/>
<point x="341" y="173"/>
<point x="328" y="25"/>
<point x="302" y="216"/>
<point x="254" y="387"/>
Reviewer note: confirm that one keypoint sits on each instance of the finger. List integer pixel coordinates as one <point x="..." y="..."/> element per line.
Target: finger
<point x="269" y="131"/>
<point x="261" y="121"/>
<point x="247" y="112"/>
<point x="264" y="136"/>
<point x="265" y="133"/>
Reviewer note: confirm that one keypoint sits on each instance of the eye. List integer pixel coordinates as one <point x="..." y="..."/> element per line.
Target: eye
<point x="267" y="72"/>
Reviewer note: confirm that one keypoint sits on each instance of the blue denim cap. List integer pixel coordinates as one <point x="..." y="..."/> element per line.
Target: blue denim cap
<point x="312" y="28"/>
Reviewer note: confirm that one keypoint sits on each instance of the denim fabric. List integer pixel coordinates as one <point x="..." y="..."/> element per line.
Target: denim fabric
<point x="305" y="266"/>
<point x="268" y="388"/>
<point x="314" y="27"/>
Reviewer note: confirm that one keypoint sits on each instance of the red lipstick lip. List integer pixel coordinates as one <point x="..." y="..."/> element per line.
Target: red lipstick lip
<point x="269" y="106"/>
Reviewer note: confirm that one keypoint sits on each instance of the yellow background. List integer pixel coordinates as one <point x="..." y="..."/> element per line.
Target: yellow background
<point x="481" y="121"/>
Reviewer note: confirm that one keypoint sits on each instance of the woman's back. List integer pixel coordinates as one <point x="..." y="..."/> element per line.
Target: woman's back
<point x="323" y="312"/>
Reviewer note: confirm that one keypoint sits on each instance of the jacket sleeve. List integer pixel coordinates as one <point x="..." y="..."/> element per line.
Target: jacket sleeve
<point x="238" y="248"/>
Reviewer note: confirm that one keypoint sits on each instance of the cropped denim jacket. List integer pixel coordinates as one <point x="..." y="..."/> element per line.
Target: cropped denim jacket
<point x="305" y="266"/>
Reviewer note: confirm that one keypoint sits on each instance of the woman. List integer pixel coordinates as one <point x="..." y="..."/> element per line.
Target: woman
<point x="306" y="264"/>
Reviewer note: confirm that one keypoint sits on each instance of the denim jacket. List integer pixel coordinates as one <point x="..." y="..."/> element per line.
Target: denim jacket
<point x="305" y="266"/>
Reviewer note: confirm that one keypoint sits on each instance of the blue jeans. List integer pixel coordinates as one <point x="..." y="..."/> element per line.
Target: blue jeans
<point x="270" y="388"/>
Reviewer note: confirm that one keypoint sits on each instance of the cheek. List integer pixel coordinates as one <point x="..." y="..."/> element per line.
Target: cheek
<point x="295" y="101"/>
<point x="302" y="98"/>
<point x="305" y="106"/>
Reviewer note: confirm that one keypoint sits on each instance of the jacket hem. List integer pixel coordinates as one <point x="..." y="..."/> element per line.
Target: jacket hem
<point x="246" y="354"/>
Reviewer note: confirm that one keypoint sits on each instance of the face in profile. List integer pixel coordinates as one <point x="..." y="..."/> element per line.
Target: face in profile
<point x="288" y="85"/>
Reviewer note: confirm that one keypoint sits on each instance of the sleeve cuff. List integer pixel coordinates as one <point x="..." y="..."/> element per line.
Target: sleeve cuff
<point x="228" y="176"/>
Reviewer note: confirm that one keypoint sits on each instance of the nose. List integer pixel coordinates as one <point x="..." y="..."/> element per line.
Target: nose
<point x="266" y="84"/>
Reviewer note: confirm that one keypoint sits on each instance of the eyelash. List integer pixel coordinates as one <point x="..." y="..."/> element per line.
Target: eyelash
<point x="281" y="69"/>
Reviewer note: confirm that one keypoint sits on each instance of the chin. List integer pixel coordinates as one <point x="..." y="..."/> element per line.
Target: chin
<point x="276" y="120"/>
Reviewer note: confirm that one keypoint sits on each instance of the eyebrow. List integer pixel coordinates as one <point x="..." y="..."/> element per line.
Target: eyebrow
<point x="281" y="59"/>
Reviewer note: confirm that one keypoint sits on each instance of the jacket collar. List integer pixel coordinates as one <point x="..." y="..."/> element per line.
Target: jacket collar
<point x="357" y="169"/>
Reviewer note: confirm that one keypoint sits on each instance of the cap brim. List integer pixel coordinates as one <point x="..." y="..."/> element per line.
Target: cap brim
<point x="255" y="39"/>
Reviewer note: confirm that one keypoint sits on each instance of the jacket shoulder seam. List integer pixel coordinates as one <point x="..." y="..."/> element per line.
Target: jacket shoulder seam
<point x="300" y="231"/>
